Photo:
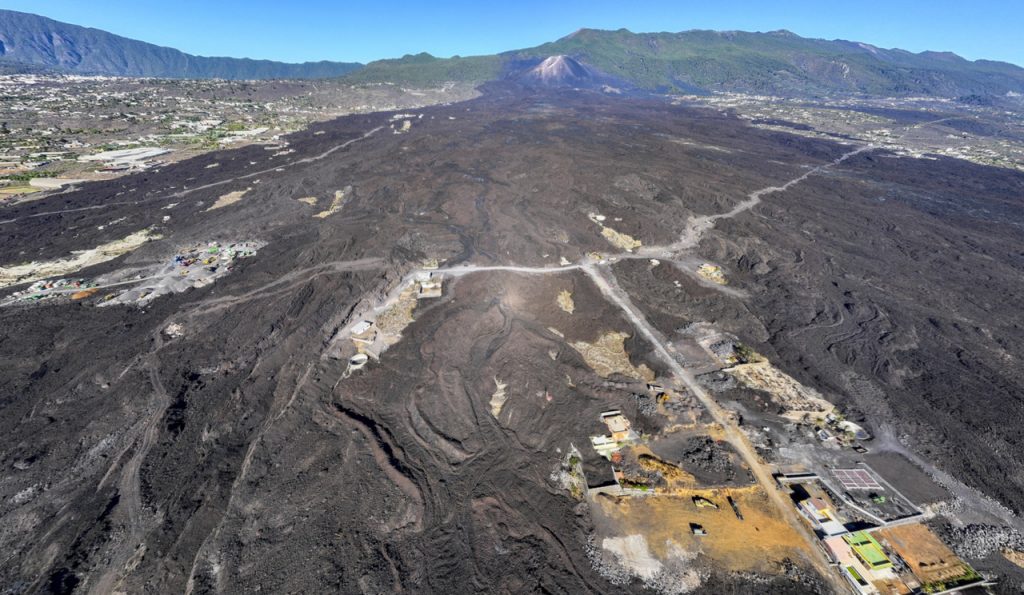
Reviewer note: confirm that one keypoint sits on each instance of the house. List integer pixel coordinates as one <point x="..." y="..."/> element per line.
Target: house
<point x="618" y="425"/>
<point x="364" y="333"/>
<point x="604" y="445"/>
<point x="431" y="287"/>
<point x="868" y="550"/>
<point x="842" y="554"/>
<point x="821" y="511"/>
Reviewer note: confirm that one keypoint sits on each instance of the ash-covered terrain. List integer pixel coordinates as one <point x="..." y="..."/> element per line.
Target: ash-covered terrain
<point x="540" y="341"/>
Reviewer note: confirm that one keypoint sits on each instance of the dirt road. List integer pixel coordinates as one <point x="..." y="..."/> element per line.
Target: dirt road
<point x="600" y="273"/>
<point x="697" y="226"/>
<point x="606" y="282"/>
<point x="146" y="433"/>
<point x="187" y="191"/>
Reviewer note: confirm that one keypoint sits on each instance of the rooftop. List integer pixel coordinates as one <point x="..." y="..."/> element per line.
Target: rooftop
<point x="868" y="550"/>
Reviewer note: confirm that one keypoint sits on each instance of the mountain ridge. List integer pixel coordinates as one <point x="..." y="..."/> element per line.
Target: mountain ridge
<point x="39" y="41"/>
<point x="700" y="61"/>
<point x="779" y="62"/>
<point x="695" y="61"/>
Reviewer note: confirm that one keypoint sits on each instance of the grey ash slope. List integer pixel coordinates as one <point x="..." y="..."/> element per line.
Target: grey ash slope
<point x="559" y="69"/>
<point x="564" y="71"/>
<point x="37" y="41"/>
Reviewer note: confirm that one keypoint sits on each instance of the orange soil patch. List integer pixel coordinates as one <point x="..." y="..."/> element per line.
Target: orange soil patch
<point x="1014" y="556"/>
<point x="924" y="552"/>
<point x="394" y="320"/>
<point x="565" y="301"/>
<point x="674" y="476"/>
<point x="621" y="240"/>
<point x="716" y="432"/>
<point x="81" y="295"/>
<point x="228" y="199"/>
<point x="607" y="356"/>
<point x="336" y="204"/>
<point x="758" y="543"/>
<point x="798" y="400"/>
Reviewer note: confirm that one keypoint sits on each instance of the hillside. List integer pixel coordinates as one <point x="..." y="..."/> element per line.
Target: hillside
<point x="778" y="62"/>
<point x="36" y="41"/>
<point x="425" y="69"/>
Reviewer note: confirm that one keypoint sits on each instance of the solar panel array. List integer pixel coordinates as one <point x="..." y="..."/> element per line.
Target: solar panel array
<point x="856" y="479"/>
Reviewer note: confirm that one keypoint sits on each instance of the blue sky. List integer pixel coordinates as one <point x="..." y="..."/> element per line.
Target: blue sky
<point x="299" y="30"/>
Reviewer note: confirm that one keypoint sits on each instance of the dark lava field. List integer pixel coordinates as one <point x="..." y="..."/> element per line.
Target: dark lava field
<point x="236" y="457"/>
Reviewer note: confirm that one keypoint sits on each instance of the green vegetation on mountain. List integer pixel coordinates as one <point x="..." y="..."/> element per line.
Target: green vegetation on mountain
<point x="778" y="62"/>
<point x="30" y="43"/>
<point x="424" y="69"/>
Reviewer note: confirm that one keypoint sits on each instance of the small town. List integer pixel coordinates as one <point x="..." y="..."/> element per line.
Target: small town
<point x="58" y="130"/>
<point x="952" y="132"/>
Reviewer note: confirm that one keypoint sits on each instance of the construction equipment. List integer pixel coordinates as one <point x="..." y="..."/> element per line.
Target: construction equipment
<point x="702" y="502"/>
<point x="735" y="507"/>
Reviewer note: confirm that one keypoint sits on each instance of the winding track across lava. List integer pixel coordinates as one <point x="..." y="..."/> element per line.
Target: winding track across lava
<point x="697" y="226"/>
<point x="147" y="432"/>
<point x="604" y="279"/>
<point x="597" y="270"/>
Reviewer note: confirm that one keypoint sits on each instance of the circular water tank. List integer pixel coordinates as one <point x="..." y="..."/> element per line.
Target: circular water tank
<point x="358" y="360"/>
